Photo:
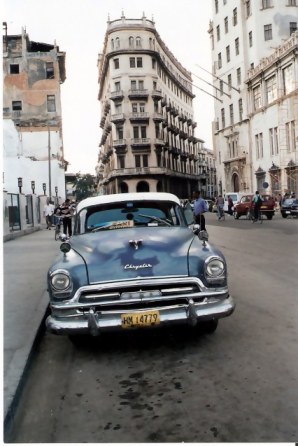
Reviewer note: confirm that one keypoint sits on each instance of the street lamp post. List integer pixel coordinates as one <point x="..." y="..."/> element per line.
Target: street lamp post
<point x="49" y="156"/>
<point x="33" y="186"/>
<point x="20" y="184"/>
<point x="44" y="186"/>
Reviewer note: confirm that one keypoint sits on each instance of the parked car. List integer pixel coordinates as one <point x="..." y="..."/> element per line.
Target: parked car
<point x="210" y="204"/>
<point x="286" y="206"/>
<point x="294" y="208"/>
<point x="246" y="207"/>
<point x="236" y="196"/>
<point x="135" y="260"/>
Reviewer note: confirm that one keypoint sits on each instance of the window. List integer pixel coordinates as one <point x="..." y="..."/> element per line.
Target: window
<point x="288" y="79"/>
<point x="293" y="27"/>
<point x="221" y="87"/>
<point x="119" y="132"/>
<point x="51" y="103"/>
<point x="132" y="62"/>
<point x="235" y="18"/>
<point x="218" y="33"/>
<point x="16" y="105"/>
<point x="117" y="86"/>
<point x="259" y="145"/>
<point x="250" y="38"/>
<point x="271" y="90"/>
<point x="131" y="42"/>
<point x="216" y="6"/>
<point x="268" y="32"/>
<point x="290" y="136"/>
<point x="49" y="70"/>
<point x="118" y="107"/>
<point x="14" y="68"/>
<point x="240" y="108"/>
<point x="223" y="119"/>
<point x="219" y="60"/>
<point x="226" y="25"/>
<point x="139" y="62"/>
<point x="121" y="162"/>
<point x="117" y="42"/>
<point x="141" y="160"/>
<point x="116" y="64"/>
<point x="138" y="42"/>
<point x="257" y="97"/>
<point x="266" y="4"/>
<point x="228" y="53"/>
<point x="273" y="141"/>
<point x="139" y="132"/>
<point x="237" y="46"/>
<point x="239" y="76"/>
<point x="248" y="8"/>
<point x="153" y="63"/>
<point x="231" y="114"/>
<point x="230" y="81"/>
<point x="292" y="2"/>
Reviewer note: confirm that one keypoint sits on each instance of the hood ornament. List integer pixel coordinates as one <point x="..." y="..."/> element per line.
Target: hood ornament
<point x="135" y="243"/>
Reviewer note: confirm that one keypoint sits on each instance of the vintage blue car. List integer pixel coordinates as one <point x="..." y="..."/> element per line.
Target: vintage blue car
<point x="136" y="260"/>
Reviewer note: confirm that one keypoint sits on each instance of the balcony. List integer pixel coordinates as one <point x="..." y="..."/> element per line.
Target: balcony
<point x="116" y="95"/>
<point x="158" y="117"/>
<point x="156" y="94"/>
<point x="141" y="117"/>
<point x="117" y="143"/>
<point x="159" y="142"/>
<point x="138" y="94"/>
<point x="118" y="117"/>
<point x="140" y="143"/>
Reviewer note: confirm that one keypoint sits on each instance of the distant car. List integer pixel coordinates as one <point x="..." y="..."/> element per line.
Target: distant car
<point x="209" y="204"/>
<point x="286" y="206"/>
<point x="294" y="208"/>
<point x="236" y="196"/>
<point x="135" y="260"/>
<point x="246" y="207"/>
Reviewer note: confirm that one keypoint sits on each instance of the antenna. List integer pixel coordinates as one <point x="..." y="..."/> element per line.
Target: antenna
<point x="216" y="77"/>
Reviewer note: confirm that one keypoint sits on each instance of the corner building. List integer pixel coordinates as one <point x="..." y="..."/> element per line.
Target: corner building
<point x="148" y="141"/>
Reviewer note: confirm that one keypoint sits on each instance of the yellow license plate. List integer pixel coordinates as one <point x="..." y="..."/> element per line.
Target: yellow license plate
<point x="263" y="207"/>
<point x="141" y="319"/>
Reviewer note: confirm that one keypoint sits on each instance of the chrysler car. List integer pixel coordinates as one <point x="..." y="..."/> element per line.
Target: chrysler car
<point x="136" y="260"/>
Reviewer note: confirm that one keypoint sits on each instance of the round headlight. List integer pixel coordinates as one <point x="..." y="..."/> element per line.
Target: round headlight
<point x="60" y="281"/>
<point x="215" y="267"/>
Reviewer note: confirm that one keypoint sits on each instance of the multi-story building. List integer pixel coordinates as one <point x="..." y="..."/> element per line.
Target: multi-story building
<point x="148" y="141"/>
<point x="255" y="72"/>
<point x="33" y="143"/>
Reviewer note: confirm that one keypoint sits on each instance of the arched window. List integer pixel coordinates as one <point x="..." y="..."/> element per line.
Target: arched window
<point x="112" y="44"/>
<point x="123" y="188"/>
<point x="131" y="42"/>
<point x="143" y="186"/>
<point x="117" y="41"/>
<point x="138" y="42"/>
<point x="235" y="182"/>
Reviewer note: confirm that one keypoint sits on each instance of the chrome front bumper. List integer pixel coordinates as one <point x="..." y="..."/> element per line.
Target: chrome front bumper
<point x="95" y="322"/>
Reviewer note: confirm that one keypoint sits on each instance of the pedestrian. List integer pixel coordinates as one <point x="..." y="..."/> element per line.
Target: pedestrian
<point x="48" y="211"/>
<point x="199" y="209"/>
<point x="220" y="205"/>
<point x="257" y="203"/>
<point x="66" y="212"/>
<point x="230" y="205"/>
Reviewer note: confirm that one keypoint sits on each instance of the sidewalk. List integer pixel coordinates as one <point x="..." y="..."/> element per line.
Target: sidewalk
<point x="25" y="263"/>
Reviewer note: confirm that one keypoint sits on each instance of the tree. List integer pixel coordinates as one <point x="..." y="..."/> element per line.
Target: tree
<point x="84" y="185"/>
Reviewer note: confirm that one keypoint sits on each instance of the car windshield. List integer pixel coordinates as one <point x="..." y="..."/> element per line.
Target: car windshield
<point x="129" y="214"/>
<point x="288" y="202"/>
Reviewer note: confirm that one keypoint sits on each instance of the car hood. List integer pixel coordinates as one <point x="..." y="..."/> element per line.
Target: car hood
<point x="139" y="252"/>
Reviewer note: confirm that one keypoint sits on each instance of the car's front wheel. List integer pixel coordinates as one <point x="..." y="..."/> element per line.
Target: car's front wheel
<point x="284" y="215"/>
<point x="208" y="327"/>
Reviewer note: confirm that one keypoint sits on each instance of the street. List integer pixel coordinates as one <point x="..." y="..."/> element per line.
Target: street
<point x="177" y="385"/>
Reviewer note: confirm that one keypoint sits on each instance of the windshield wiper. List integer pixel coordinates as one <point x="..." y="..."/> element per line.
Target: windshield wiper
<point x="159" y="220"/>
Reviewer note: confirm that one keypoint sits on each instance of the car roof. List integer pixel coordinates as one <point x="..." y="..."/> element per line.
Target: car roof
<point x="133" y="196"/>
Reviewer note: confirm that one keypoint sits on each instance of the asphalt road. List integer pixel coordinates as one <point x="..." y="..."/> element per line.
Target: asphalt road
<point x="237" y="385"/>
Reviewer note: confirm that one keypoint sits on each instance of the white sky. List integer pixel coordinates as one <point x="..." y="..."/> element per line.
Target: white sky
<point x="79" y="27"/>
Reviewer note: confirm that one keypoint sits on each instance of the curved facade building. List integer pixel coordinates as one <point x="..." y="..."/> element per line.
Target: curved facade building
<point x="148" y="141"/>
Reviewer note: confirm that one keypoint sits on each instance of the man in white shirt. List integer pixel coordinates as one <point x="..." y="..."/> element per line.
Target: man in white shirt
<point x="48" y="211"/>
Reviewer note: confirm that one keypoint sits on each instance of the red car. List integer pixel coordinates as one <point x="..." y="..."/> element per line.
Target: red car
<point x="246" y="206"/>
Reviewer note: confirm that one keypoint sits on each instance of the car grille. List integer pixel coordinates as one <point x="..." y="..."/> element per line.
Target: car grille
<point x="140" y="296"/>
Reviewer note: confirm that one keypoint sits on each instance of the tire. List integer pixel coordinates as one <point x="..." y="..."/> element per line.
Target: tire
<point x="208" y="327"/>
<point x="284" y="215"/>
<point x="269" y="217"/>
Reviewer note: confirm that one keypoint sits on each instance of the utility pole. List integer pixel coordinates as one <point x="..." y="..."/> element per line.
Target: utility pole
<point x="49" y="157"/>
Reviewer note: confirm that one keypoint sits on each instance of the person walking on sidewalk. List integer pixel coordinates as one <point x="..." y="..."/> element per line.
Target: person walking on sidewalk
<point x="199" y="210"/>
<point x="48" y="211"/>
